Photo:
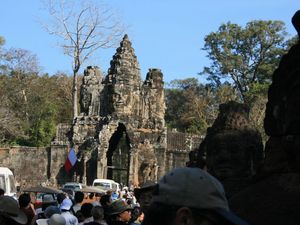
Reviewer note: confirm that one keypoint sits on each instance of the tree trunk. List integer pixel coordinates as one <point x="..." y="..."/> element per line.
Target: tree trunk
<point x="74" y="95"/>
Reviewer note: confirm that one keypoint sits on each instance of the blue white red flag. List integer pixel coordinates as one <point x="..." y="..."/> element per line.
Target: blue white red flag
<point x="71" y="160"/>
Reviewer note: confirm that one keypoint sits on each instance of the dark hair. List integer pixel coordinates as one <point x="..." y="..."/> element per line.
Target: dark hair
<point x="86" y="210"/>
<point x="79" y="196"/>
<point x="163" y="214"/>
<point x="79" y="216"/>
<point x="91" y="195"/>
<point x="60" y="197"/>
<point x="105" y="199"/>
<point x="135" y="213"/>
<point x="97" y="212"/>
<point x="24" y="200"/>
<point x="2" y="191"/>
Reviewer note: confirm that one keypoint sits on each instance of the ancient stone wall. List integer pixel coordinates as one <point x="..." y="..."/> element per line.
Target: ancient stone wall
<point x="179" y="145"/>
<point x="30" y="165"/>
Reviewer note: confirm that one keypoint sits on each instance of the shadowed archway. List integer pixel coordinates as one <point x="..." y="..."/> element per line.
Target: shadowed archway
<point x="118" y="156"/>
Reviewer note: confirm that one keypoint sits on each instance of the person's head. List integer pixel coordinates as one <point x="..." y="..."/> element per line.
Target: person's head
<point x="98" y="213"/>
<point x="2" y="192"/>
<point x="189" y="196"/>
<point x="10" y="212"/>
<point x="86" y="210"/>
<point x="136" y="214"/>
<point x="51" y="210"/>
<point x="144" y="195"/>
<point x="296" y="21"/>
<point x="57" y="219"/>
<point x="119" y="211"/>
<point x="105" y="201"/>
<point x="79" y="196"/>
<point x="24" y="200"/>
<point x="60" y="197"/>
<point x="91" y="195"/>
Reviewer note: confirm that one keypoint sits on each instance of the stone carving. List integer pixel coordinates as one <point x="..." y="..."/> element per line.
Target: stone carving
<point x="147" y="169"/>
<point x="123" y="82"/>
<point x="90" y="92"/>
<point x="153" y="103"/>
<point x="233" y="148"/>
<point x="276" y="195"/>
<point x="123" y="106"/>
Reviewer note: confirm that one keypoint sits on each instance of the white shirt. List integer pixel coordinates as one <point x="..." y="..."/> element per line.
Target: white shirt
<point x="70" y="218"/>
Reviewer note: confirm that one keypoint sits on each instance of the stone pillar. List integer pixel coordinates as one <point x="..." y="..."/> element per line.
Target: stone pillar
<point x="131" y="166"/>
<point x="84" y="178"/>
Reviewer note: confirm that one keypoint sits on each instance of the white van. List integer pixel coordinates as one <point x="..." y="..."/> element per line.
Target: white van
<point x="7" y="182"/>
<point x="106" y="184"/>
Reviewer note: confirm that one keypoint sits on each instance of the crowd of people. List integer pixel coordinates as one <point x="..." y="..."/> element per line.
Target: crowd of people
<point x="186" y="196"/>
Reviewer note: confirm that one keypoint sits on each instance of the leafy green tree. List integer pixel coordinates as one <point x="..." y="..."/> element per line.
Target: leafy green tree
<point x="247" y="56"/>
<point x="10" y="123"/>
<point x="31" y="104"/>
<point x="192" y="107"/>
<point x="50" y="104"/>
<point x="22" y="67"/>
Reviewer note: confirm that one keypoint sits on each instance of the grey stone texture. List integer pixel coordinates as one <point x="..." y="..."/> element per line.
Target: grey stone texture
<point x="232" y="148"/>
<point x="121" y="108"/>
<point x="275" y="196"/>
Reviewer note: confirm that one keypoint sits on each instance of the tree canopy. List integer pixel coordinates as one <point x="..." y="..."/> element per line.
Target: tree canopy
<point x="32" y="104"/>
<point x="246" y="57"/>
<point x="192" y="106"/>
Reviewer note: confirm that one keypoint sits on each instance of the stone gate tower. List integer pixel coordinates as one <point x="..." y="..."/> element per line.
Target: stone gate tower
<point x="121" y="132"/>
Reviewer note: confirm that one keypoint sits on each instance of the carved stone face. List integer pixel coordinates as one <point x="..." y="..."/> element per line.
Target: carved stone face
<point x="229" y="156"/>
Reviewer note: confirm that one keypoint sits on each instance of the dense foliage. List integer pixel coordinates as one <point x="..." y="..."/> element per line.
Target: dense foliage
<point x="31" y="104"/>
<point x="245" y="56"/>
<point x="192" y="106"/>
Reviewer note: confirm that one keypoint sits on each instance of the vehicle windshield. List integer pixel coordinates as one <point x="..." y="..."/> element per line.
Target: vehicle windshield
<point x="2" y="183"/>
<point x="12" y="183"/>
<point x="104" y="185"/>
<point x="72" y="186"/>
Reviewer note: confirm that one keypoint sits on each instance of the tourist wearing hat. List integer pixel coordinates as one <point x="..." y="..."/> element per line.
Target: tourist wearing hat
<point x="55" y="219"/>
<point x="190" y="196"/>
<point x="65" y="208"/>
<point x="119" y="213"/>
<point x="144" y="195"/>
<point x="49" y="211"/>
<point x="10" y="214"/>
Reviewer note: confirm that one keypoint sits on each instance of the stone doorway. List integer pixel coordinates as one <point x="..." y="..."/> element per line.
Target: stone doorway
<point x="118" y="156"/>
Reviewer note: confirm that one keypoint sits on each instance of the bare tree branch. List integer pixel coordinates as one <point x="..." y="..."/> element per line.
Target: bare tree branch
<point x="83" y="29"/>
